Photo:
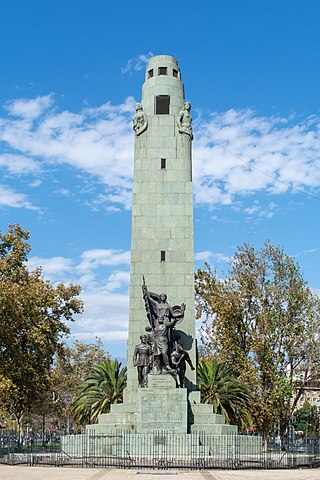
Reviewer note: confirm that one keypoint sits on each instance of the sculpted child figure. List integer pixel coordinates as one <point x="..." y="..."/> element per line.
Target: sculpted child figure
<point x="179" y="359"/>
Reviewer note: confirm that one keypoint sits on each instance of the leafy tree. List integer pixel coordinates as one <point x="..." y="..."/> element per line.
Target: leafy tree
<point x="307" y="419"/>
<point x="69" y="370"/>
<point x="52" y="408"/>
<point x="263" y="320"/>
<point x="229" y="396"/>
<point x="32" y="323"/>
<point x="100" y="389"/>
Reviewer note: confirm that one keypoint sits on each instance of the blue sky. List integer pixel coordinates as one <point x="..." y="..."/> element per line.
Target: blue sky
<point x="70" y="74"/>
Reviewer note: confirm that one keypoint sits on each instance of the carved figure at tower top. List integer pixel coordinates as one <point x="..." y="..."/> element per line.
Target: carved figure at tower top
<point x="185" y="120"/>
<point x="140" y="121"/>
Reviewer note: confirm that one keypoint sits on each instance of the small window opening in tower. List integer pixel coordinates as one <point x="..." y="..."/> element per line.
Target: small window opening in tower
<point x="163" y="163"/>
<point x="162" y="71"/>
<point x="150" y="73"/>
<point x="162" y="256"/>
<point x="175" y="73"/>
<point x="162" y="105"/>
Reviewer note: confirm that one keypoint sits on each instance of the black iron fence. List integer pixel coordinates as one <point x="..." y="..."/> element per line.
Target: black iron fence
<point x="163" y="450"/>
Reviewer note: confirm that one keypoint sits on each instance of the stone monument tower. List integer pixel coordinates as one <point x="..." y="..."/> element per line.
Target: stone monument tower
<point x="162" y="211"/>
<point x="162" y="344"/>
<point x="161" y="394"/>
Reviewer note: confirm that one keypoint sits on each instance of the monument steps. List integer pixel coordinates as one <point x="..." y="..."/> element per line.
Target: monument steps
<point x="202" y="414"/>
<point x="214" y="429"/>
<point x="209" y="419"/>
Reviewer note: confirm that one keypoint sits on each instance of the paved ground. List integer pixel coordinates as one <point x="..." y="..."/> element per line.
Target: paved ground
<point x="54" y="473"/>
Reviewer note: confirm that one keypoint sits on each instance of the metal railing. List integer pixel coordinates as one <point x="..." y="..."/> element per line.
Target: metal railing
<point x="163" y="450"/>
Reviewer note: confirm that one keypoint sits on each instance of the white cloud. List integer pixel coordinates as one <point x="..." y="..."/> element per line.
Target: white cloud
<point x="18" y="164"/>
<point x="307" y="251"/>
<point x="102" y="201"/>
<point x="113" y="209"/>
<point x="107" y="108"/>
<point x="137" y="63"/>
<point x="311" y="250"/>
<point x="53" y="267"/>
<point x="90" y="260"/>
<point x="95" y="258"/>
<point x="121" y="197"/>
<point x="35" y="183"/>
<point x="257" y="211"/>
<point x="207" y="254"/>
<point x="64" y="192"/>
<point x="29" y="108"/>
<point x="10" y="198"/>
<point x="97" y="141"/>
<point x="105" y="311"/>
<point x="106" y="336"/>
<point x="117" y="280"/>
<point x="237" y="152"/>
<point x="204" y="256"/>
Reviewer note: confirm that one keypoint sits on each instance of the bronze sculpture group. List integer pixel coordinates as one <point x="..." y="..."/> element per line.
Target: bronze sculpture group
<point x="159" y="350"/>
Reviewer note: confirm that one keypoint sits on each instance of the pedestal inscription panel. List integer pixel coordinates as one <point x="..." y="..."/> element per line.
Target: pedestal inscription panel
<point x="162" y="406"/>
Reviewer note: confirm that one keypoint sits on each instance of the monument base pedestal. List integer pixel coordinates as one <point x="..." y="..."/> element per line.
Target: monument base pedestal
<point x="162" y="406"/>
<point x="161" y="420"/>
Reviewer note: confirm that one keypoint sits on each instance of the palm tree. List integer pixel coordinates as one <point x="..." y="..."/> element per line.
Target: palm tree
<point x="100" y="389"/>
<point x="229" y="396"/>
